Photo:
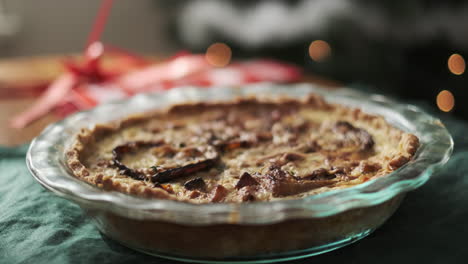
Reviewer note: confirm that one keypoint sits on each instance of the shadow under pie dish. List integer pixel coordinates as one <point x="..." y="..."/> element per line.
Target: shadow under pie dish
<point x="266" y="172"/>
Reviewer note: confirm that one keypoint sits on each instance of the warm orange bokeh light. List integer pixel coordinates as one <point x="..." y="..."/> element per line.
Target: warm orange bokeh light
<point x="456" y="64"/>
<point x="319" y="50"/>
<point x="218" y="54"/>
<point x="445" y="101"/>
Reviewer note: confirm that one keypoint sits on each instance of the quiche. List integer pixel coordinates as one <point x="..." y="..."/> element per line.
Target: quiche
<point x="250" y="149"/>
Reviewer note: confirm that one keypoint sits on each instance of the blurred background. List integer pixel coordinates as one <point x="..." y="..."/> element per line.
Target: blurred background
<point x="411" y="49"/>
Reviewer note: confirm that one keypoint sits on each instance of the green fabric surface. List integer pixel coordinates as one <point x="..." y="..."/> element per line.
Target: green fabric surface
<point x="430" y="227"/>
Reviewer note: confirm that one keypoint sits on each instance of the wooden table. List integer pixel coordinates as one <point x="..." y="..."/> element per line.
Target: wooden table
<point x="16" y="75"/>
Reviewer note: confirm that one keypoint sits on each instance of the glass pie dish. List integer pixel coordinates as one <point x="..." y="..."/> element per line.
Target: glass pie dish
<point x="248" y="232"/>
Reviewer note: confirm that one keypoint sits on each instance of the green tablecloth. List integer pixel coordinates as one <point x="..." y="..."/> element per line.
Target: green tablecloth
<point x="430" y="227"/>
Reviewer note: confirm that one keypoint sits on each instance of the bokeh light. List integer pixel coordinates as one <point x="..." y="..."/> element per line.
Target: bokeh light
<point x="456" y="64"/>
<point x="218" y="54"/>
<point x="319" y="50"/>
<point x="445" y="101"/>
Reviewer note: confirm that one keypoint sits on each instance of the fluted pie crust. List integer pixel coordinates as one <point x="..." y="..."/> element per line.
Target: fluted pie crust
<point x="248" y="149"/>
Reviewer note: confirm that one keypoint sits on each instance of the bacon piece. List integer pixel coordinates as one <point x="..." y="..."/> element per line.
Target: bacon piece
<point x="225" y="146"/>
<point x="264" y="136"/>
<point x="211" y="159"/>
<point x="194" y="194"/>
<point x="166" y="187"/>
<point x="280" y="183"/>
<point x="246" y="180"/>
<point x="195" y="184"/>
<point x="219" y="193"/>
<point x="292" y="156"/>
<point x="174" y="173"/>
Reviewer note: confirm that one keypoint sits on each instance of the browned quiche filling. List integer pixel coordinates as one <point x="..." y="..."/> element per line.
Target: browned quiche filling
<point x="251" y="149"/>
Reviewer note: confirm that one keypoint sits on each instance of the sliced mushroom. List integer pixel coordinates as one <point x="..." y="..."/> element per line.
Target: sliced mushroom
<point x="119" y="151"/>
